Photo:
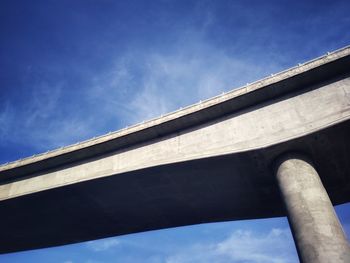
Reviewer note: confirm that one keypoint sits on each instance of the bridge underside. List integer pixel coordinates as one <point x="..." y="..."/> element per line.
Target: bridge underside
<point x="231" y="187"/>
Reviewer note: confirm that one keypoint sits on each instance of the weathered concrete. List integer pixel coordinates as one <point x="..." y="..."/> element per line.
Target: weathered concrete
<point x="206" y="163"/>
<point x="286" y="83"/>
<point x="316" y="229"/>
<point x="280" y="120"/>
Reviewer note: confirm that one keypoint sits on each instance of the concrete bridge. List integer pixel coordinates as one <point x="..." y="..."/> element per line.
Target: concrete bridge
<point x="255" y="152"/>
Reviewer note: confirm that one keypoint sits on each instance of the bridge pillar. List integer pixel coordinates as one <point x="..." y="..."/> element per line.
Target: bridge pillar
<point x="317" y="232"/>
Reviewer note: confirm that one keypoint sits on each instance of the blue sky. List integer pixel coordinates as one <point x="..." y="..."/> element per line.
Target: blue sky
<point x="71" y="70"/>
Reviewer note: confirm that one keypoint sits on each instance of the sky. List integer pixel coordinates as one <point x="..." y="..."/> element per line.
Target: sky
<point x="71" y="70"/>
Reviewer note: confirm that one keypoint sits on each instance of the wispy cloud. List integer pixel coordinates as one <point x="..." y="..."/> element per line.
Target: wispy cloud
<point x="143" y="86"/>
<point x="44" y="100"/>
<point x="103" y="245"/>
<point x="274" y="245"/>
<point x="242" y="246"/>
<point x="246" y="246"/>
<point x="137" y="86"/>
<point x="41" y="122"/>
<point x="140" y="83"/>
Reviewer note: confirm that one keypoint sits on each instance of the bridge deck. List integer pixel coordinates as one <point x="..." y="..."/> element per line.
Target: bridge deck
<point x="232" y="184"/>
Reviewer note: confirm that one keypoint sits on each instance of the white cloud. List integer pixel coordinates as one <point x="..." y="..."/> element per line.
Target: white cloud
<point x="103" y="245"/>
<point x="245" y="246"/>
<point x="44" y="101"/>
<point x="166" y="81"/>
<point x="139" y="86"/>
<point x="40" y="121"/>
<point x="242" y="246"/>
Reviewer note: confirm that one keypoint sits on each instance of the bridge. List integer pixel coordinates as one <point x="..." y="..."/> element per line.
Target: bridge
<point x="277" y="147"/>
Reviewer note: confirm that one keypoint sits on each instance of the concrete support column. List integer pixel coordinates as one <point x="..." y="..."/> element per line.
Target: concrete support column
<point x="317" y="232"/>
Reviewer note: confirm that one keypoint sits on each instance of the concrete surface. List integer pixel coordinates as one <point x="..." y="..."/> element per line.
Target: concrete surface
<point x="280" y="120"/>
<point x="316" y="71"/>
<point x="317" y="232"/>
<point x="206" y="163"/>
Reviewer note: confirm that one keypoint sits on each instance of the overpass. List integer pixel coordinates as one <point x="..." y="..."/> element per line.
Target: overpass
<point x="254" y="152"/>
